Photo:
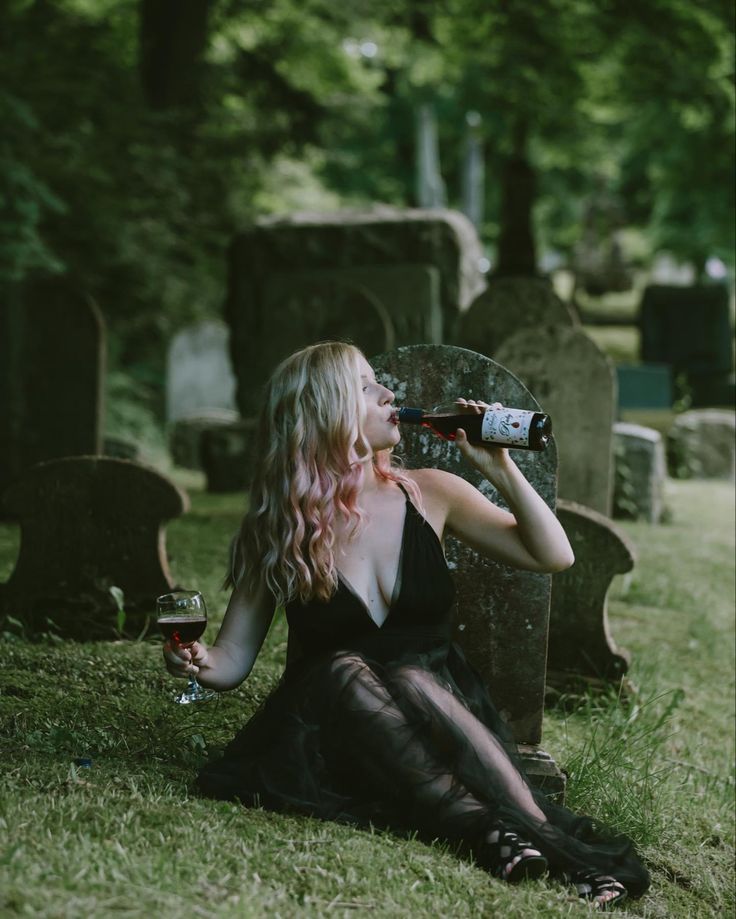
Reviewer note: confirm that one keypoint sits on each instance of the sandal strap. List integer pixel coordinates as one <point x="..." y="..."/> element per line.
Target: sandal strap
<point x="511" y="841"/>
<point x="590" y="885"/>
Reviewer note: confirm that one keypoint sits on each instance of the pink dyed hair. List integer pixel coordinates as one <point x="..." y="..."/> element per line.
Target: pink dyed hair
<point x="310" y="453"/>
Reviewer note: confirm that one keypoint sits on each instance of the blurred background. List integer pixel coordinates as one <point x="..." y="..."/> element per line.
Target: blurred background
<point x="591" y="143"/>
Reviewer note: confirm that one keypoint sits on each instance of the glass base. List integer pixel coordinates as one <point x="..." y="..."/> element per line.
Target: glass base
<point x="194" y="693"/>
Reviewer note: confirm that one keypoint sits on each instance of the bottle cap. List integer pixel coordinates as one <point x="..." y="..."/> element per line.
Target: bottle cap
<point x="84" y="761"/>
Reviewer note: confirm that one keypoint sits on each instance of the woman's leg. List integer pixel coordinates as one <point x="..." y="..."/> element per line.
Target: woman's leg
<point x="424" y="688"/>
<point x="399" y="762"/>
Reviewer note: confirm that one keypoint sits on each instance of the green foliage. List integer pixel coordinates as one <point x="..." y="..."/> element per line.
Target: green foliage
<point x="24" y="198"/>
<point x="312" y="105"/>
<point x="625" y="504"/>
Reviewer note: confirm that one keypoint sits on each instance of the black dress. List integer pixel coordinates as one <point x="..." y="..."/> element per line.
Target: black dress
<point x="391" y="726"/>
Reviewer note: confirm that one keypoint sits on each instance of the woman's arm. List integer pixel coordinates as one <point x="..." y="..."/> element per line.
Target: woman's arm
<point x="529" y="537"/>
<point x="229" y="661"/>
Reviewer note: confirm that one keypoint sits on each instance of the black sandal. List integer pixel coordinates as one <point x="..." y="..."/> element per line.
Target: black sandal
<point x="499" y="854"/>
<point x="592" y="886"/>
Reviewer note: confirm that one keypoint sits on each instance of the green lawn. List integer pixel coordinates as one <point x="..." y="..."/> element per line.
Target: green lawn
<point x="126" y="837"/>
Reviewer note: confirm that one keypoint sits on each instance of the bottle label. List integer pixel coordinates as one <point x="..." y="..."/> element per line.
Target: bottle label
<point x="507" y="426"/>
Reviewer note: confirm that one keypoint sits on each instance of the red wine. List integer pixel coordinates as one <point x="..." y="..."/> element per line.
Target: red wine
<point x="506" y="427"/>
<point x="182" y="630"/>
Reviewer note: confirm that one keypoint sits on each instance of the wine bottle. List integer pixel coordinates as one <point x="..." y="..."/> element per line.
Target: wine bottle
<point x="514" y="428"/>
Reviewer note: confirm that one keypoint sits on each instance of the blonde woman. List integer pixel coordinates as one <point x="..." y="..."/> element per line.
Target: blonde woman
<point x="381" y="720"/>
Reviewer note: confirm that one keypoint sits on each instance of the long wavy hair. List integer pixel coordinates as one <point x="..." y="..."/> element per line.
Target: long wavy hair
<point x="310" y="456"/>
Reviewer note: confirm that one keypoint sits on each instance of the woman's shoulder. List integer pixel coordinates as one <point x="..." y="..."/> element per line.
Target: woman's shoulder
<point x="436" y="485"/>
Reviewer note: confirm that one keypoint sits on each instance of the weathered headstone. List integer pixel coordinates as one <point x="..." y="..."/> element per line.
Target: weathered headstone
<point x="52" y="359"/>
<point x="575" y="384"/>
<point x="227" y="455"/>
<point x="380" y="279"/>
<point x="701" y="444"/>
<point x="506" y="306"/>
<point x="641" y="471"/>
<point x="185" y="435"/>
<point x="89" y="523"/>
<point x="198" y="372"/>
<point x="579" y="638"/>
<point x="502" y="613"/>
<point x="690" y="328"/>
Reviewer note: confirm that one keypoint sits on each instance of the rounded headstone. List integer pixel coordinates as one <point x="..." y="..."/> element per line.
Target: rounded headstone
<point x="89" y="524"/>
<point x="502" y="612"/>
<point x="575" y="384"/>
<point x="506" y="306"/>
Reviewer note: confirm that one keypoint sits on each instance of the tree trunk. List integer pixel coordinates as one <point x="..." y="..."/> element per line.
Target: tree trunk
<point x="516" y="248"/>
<point x="172" y="39"/>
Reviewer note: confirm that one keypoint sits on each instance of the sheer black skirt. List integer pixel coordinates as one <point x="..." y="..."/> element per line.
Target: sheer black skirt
<point x="412" y="744"/>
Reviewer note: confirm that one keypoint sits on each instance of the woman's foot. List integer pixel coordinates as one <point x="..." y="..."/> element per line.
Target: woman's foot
<point x="602" y="889"/>
<point x="510" y="858"/>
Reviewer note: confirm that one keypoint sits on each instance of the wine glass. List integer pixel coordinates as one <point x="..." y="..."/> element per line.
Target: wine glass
<point x="182" y="618"/>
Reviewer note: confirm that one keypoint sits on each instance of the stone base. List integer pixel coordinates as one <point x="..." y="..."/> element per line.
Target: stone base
<point x="543" y="772"/>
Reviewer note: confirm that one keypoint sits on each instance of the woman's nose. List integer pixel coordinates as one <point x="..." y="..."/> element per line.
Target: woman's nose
<point x="389" y="396"/>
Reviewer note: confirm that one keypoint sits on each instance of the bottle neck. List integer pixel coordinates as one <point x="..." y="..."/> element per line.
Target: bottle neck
<point x="410" y="415"/>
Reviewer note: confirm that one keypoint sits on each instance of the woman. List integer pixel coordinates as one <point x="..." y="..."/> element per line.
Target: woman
<point x="381" y="719"/>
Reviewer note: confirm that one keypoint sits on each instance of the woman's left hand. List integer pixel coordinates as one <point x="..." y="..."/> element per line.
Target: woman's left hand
<point x="487" y="459"/>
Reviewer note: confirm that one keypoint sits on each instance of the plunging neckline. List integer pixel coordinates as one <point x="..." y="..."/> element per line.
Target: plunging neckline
<point x="396" y="592"/>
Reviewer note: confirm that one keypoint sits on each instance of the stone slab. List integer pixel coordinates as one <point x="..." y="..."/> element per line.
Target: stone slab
<point x="580" y="640"/>
<point x="575" y="384"/>
<point x="227" y="456"/>
<point x="502" y="613"/>
<point x="701" y="444"/>
<point x="380" y="279"/>
<point x="198" y="372"/>
<point x="185" y="435"/>
<point x="52" y="366"/>
<point x="687" y="327"/>
<point x="641" y="472"/>
<point x="87" y="524"/>
<point x="506" y="306"/>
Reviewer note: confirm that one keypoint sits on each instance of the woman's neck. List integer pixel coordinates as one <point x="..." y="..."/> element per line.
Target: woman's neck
<point x="371" y="480"/>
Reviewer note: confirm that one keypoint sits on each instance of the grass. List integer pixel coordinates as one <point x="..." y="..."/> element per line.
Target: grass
<point x="128" y="837"/>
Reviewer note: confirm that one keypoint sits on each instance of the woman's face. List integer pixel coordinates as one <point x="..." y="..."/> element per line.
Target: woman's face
<point x="379" y="428"/>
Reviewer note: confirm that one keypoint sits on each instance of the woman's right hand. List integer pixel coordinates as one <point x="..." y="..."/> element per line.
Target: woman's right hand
<point x="182" y="661"/>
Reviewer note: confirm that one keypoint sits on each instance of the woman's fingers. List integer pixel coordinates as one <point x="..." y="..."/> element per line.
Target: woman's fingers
<point x="178" y="659"/>
<point x="476" y="405"/>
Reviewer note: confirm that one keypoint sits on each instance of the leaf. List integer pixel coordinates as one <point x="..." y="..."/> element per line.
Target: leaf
<point x="118" y="596"/>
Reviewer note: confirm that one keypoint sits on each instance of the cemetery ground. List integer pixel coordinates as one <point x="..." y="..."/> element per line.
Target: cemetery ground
<point x="128" y="835"/>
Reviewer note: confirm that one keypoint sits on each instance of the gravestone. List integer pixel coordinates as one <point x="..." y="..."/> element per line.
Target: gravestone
<point x="701" y="444"/>
<point x="506" y="306"/>
<point x="690" y="328"/>
<point x="502" y="613"/>
<point x="576" y="385"/>
<point x="380" y="279"/>
<point x="185" y="435"/>
<point x="52" y="360"/>
<point x="227" y="455"/>
<point x="641" y="471"/>
<point x="580" y="641"/>
<point x="89" y="523"/>
<point x="198" y="372"/>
